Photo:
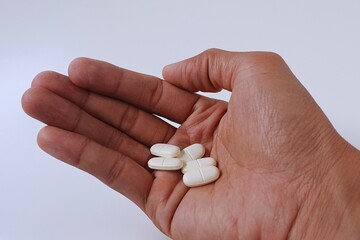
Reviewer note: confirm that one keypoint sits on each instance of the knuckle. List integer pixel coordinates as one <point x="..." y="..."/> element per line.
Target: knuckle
<point x="114" y="140"/>
<point x="212" y="62"/>
<point x="212" y="53"/>
<point x="124" y="119"/>
<point x="263" y="62"/>
<point x="158" y="90"/>
<point x="114" y="172"/>
<point x="268" y="57"/>
<point x="273" y="57"/>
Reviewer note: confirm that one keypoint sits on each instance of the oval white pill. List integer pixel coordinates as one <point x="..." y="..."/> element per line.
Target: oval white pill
<point x="192" y="152"/>
<point x="201" y="176"/>
<point x="164" y="150"/>
<point x="160" y="163"/>
<point x="198" y="163"/>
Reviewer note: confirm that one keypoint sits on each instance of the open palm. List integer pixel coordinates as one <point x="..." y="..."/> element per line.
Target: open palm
<point x="266" y="139"/>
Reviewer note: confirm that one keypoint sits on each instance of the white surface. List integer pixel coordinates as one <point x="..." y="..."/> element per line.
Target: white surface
<point x="42" y="198"/>
<point x="161" y="163"/>
<point x="197" y="164"/>
<point x="164" y="150"/>
<point x="192" y="152"/>
<point x="201" y="176"/>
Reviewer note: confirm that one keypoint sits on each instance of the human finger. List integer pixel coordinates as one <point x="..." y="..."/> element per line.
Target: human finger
<point x="54" y="110"/>
<point x="210" y="71"/>
<point x="215" y="69"/>
<point x="115" y="169"/>
<point x="143" y="91"/>
<point x="136" y="123"/>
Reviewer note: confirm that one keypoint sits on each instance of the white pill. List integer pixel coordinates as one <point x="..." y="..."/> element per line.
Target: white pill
<point x="164" y="150"/>
<point x="160" y="163"/>
<point x="192" y="152"/>
<point x="201" y="176"/>
<point x="198" y="163"/>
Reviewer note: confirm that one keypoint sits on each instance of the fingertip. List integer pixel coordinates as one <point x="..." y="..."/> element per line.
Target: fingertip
<point x="79" y="70"/>
<point x="30" y="100"/>
<point x="75" y="66"/>
<point x="168" y="70"/>
<point x="25" y="99"/>
<point x="76" y="63"/>
<point x="51" y="140"/>
<point x="42" y="137"/>
<point x="42" y="79"/>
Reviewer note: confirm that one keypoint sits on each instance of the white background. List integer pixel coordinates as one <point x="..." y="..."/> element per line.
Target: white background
<point x="42" y="198"/>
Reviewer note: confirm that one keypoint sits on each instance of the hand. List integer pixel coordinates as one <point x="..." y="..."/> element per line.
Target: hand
<point x="285" y="171"/>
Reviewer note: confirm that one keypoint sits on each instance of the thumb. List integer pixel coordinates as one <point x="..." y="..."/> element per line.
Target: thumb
<point x="210" y="71"/>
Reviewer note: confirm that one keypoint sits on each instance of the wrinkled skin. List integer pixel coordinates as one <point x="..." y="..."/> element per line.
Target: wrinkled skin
<point x="278" y="154"/>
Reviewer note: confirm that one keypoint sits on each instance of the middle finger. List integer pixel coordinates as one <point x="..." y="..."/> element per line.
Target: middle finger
<point x="136" y="123"/>
<point x="54" y="110"/>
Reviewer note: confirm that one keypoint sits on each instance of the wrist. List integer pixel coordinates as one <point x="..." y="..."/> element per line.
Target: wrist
<point x="331" y="207"/>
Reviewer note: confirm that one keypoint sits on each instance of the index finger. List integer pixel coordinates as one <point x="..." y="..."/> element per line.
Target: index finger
<point x="143" y="91"/>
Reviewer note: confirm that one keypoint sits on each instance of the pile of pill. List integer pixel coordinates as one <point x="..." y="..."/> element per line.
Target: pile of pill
<point x="197" y="171"/>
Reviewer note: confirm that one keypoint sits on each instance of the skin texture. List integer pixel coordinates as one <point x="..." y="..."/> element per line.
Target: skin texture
<point x="285" y="172"/>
